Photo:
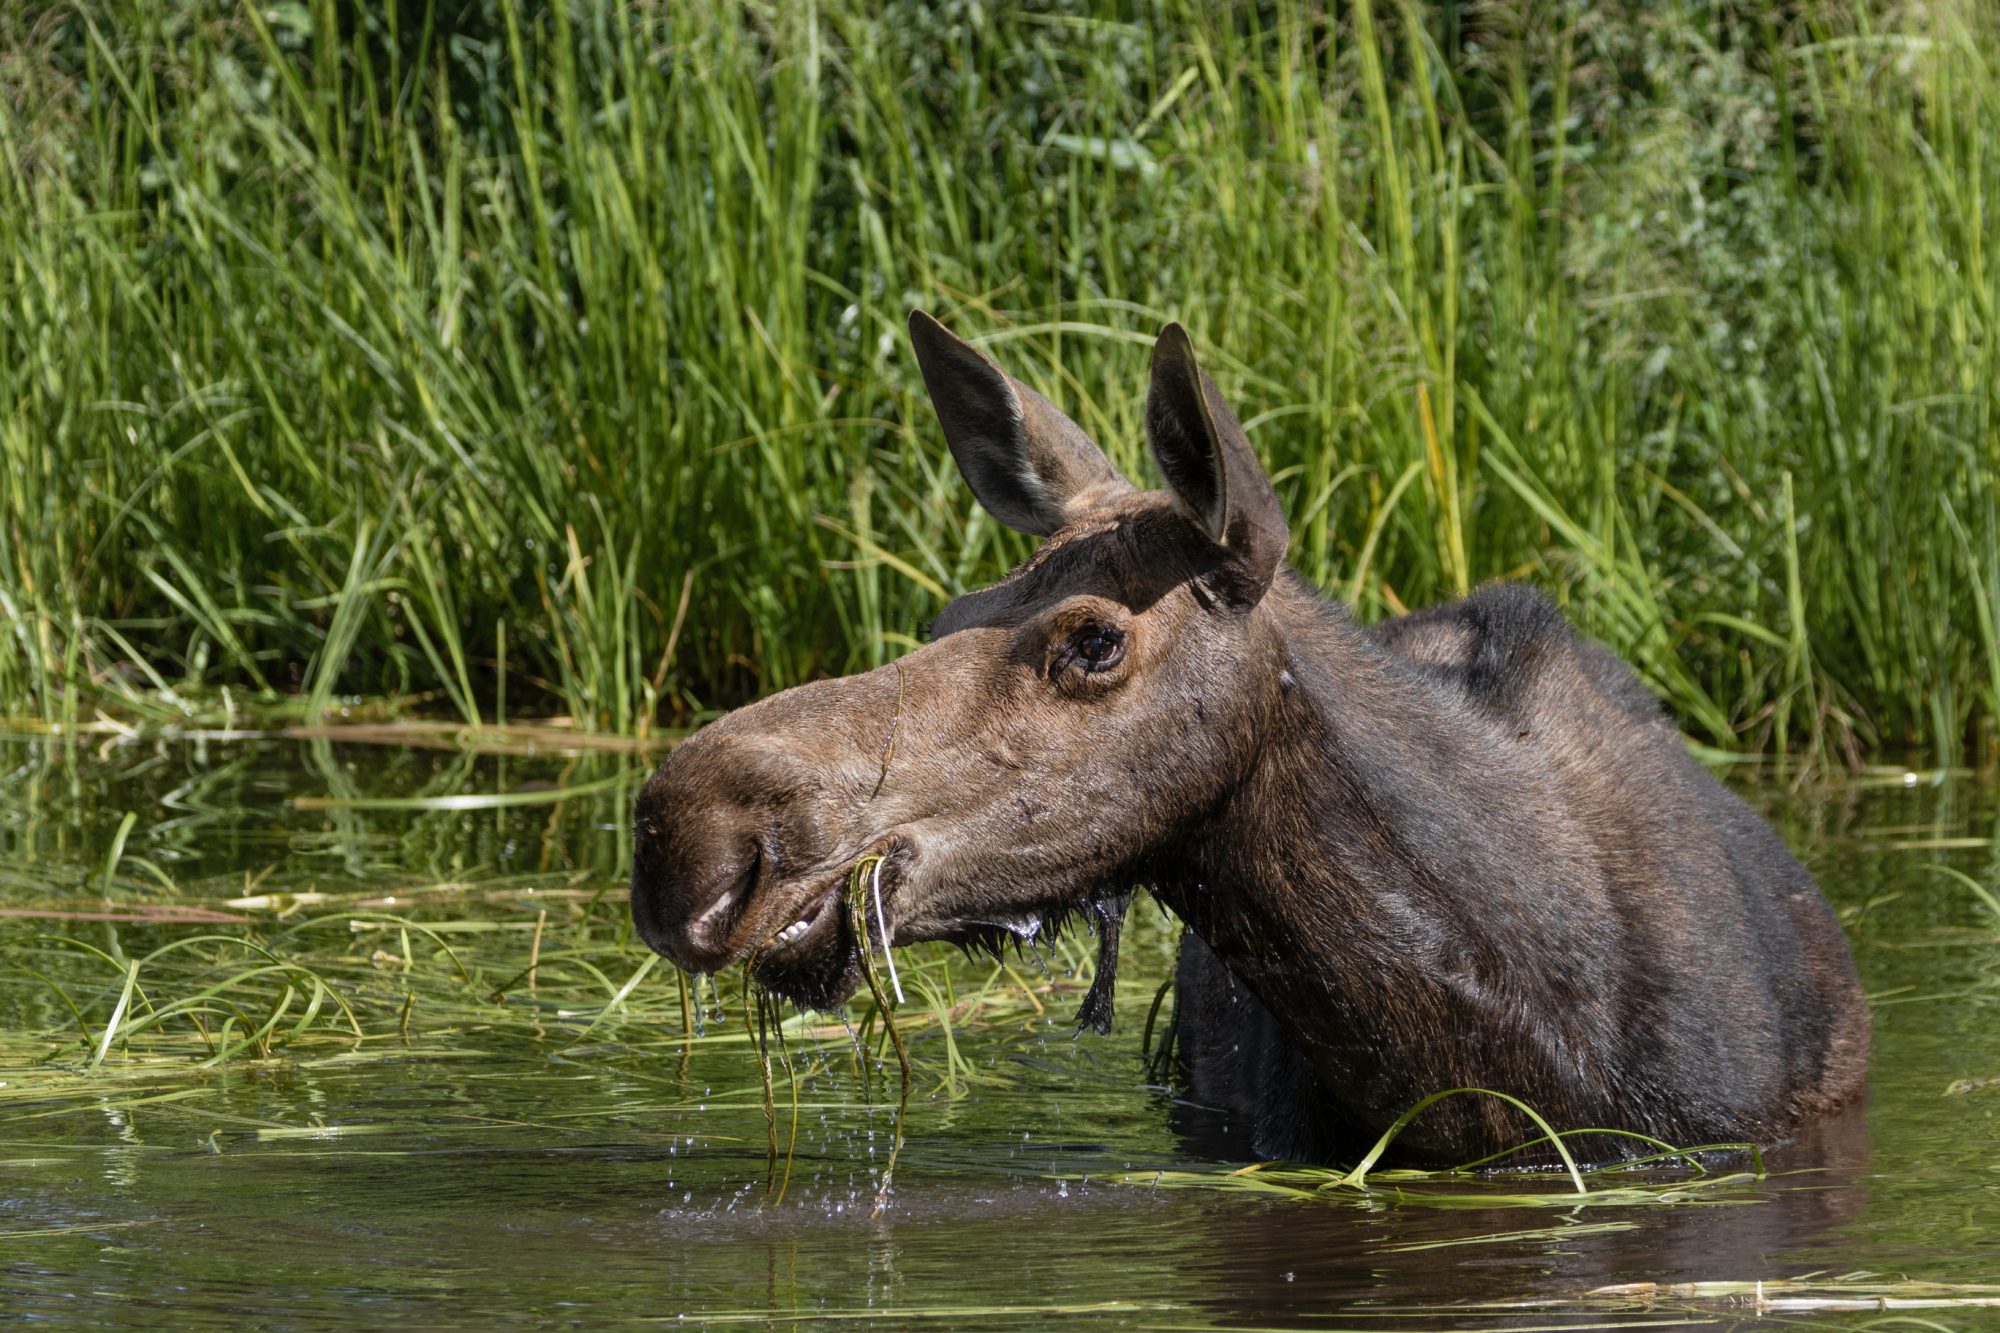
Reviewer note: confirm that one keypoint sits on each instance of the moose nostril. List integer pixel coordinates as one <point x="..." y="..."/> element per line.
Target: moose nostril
<point x="713" y="921"/>
<point x="702" y="925"/>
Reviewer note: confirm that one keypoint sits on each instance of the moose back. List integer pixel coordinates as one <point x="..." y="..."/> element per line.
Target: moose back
<point x="1464" y="848"/>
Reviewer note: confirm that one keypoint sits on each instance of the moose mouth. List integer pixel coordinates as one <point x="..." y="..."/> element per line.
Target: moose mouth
<point x="811" y="953"/>
<point x="797" y="931"/>
<point x="807" y="941"/>
<point x="803" y="923"/>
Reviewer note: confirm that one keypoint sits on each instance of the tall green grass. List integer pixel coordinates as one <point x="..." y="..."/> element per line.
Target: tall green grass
<point x="349" y="351"/>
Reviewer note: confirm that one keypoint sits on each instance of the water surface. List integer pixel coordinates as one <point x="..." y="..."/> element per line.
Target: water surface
<point x="488" y="1155"/>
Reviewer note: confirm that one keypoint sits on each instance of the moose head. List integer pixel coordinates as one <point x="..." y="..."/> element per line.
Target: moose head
<point x="1061" y="729"/>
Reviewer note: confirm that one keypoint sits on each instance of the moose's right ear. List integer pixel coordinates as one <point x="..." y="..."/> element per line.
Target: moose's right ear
<point x="1030" y="465"/>
<point x="1211" y="470"/>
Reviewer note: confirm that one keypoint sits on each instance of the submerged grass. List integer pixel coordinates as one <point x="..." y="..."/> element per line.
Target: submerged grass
<point x="450" y="974"/>
<point x="552" y="352"/>
<point x="1463" y="1187"/>
<point x="131" y="980"/>
<point x="293" y="990"/>
<point x="1814" y="1293"/>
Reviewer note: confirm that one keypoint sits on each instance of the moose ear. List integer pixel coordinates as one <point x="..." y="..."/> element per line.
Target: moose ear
<point x="1210" y="468"/>
<point x="1030" y="465"/>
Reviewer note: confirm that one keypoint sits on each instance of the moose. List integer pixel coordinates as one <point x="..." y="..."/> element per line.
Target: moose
<point x="1465" y="848"/>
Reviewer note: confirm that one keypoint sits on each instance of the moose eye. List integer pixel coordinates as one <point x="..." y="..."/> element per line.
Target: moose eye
<point x="1099" y="647"/>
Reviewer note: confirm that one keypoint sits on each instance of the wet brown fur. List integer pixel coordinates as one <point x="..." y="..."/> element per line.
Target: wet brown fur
<point x="1462" y="848"/>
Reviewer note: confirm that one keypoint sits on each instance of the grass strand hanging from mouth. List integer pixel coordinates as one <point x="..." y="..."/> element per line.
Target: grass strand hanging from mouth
<point x="882" y="924"/>
<point x="857" y="916"/>
<point x="761" y="1004"/>
<point x="755" y="1007"/>
<point x="768" y="1020"/>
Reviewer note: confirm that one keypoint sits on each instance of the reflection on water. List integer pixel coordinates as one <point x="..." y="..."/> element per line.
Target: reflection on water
<point x="495" y="1155"/>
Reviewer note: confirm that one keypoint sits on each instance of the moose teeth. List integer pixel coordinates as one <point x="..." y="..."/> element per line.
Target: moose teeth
<point x="796" y="931"/>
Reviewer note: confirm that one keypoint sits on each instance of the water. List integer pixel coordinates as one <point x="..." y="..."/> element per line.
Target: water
<point x="541" y="1160"/>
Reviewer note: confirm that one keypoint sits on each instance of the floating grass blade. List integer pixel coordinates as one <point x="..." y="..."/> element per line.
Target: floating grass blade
<point x="1667" y="1152"/>
<point x="1358" y="1177"/>
<point x="118" y="1011"/>
<point x="631" y="984"/>
<point x="1568" y="1231"/>
<point x="112" y="857"/>
<point x="493" y="801"/>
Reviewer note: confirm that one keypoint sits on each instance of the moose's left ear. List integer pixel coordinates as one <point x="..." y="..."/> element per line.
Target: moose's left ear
<point x="1211" y="470"/>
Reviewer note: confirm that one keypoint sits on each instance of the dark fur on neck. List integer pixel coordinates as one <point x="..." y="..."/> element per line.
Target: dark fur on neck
<point x="1475" y="853"/>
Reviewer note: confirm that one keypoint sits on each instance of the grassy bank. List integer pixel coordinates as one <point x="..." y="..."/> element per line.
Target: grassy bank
<point x="357" y="356"/>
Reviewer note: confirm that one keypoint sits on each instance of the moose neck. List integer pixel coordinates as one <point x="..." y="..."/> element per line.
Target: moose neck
<point x="1340" y="871"/>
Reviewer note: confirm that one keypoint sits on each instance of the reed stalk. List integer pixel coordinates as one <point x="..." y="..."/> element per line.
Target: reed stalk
<point x="333" y="337"/>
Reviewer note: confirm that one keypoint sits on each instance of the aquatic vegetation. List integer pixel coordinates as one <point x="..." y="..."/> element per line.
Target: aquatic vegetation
<point x="546" y="358"/>
<point x="536" y="1120"/>
<point x="1692" y="1180"/>
<point x="1459" y="1189"/>
<point x="379" y="974"/>
<point x="126" y="983"/>
<point x="1811" y="1294"/>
